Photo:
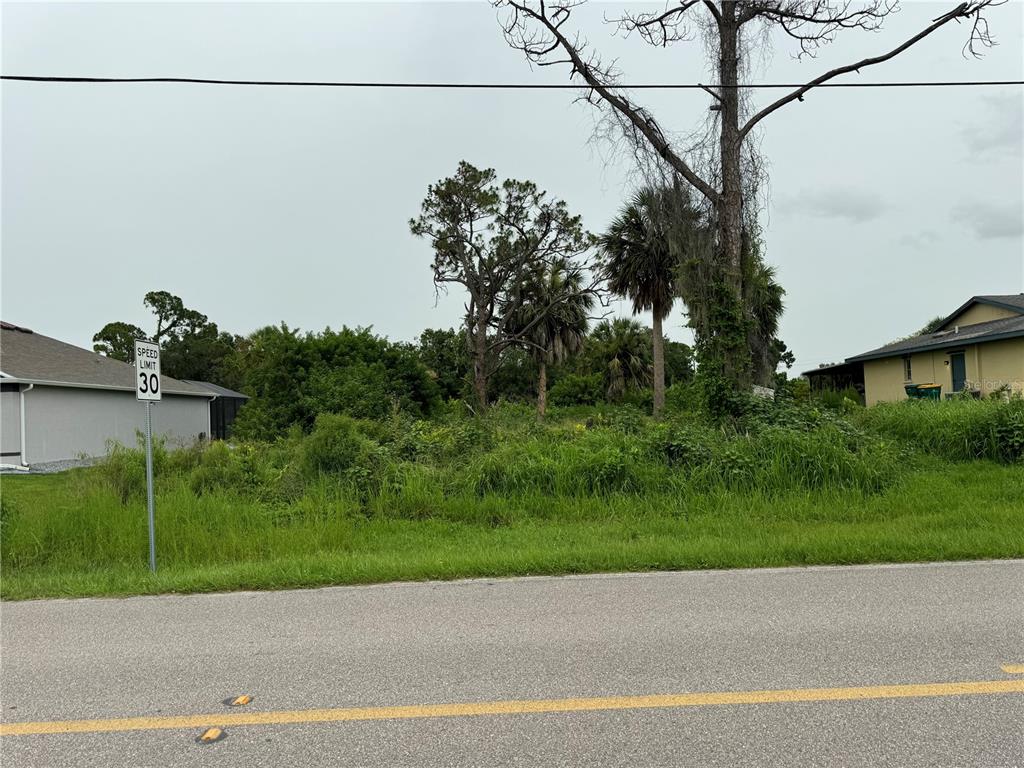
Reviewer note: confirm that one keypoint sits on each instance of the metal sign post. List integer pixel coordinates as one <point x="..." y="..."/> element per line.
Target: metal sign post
<point x="147" y="388"/>
<point x="149" y="484"/>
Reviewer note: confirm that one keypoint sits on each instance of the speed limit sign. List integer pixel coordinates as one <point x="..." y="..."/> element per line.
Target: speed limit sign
<point x="147" y="387"/>
<point x="147" y="370"/>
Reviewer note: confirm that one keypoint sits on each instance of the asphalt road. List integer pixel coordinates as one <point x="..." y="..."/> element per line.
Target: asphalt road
<point x="570" y="654"/>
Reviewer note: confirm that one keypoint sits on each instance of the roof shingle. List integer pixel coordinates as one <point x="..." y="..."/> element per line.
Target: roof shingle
<point x="35" y="358"/>
<point x="1005" y="328"/>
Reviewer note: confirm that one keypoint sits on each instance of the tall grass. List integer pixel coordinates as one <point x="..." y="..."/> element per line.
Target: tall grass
<point x="958" y="430"/>
<point x="592" y="489"/>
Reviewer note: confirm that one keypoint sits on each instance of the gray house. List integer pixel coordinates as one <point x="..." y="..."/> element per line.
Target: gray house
<point x="60" y="402"/>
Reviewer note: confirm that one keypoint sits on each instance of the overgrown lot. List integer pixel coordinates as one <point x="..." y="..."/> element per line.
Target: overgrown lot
<point x="591" y="489"/>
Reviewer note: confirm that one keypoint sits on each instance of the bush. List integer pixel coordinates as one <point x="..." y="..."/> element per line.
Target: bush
<point x="687" y="445"/>
<point x="337" y="448"/>
<point x="574" y="389"/>
<point x="334" y="446"/>
<point x="216" y="470"/>
<point x="683" y="398"/>
<point x="294" y="377"/>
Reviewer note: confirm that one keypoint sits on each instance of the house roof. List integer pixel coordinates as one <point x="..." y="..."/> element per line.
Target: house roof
<point x="37" y="359"/>
<point x="217" y="389"/>
<point x="993" y="330"/>
<point x="829" y="369"/>
<point x="1013" y="302"/>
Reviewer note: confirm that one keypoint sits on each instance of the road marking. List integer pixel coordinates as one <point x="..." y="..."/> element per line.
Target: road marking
<point x="1013" y="669"/>
<point x="538" y="706"/>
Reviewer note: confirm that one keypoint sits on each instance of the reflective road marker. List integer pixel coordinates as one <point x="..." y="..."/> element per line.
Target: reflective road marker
<point x="211" y="735"/>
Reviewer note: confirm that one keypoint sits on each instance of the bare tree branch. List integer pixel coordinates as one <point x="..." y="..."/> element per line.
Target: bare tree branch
<point x="658" y="29"/>
<point x="964" y="10"/>
<point x="536" y="44"/>
<point x="814" y="23"/>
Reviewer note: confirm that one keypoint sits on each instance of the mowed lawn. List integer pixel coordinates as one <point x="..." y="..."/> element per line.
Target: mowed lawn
<point x="67" y="535"/>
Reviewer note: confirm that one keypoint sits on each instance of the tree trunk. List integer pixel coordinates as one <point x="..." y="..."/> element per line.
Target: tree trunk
<point x="542" y="390"/>
<point x="659" y="364"/>
<point x="730" y="326"/>
<point x="480" y="364"/>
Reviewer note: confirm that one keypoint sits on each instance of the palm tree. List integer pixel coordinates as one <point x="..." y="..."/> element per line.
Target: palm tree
<point x="641" y="251"/>
<point x="623" y="353"/>
<point x="553" y="322"/>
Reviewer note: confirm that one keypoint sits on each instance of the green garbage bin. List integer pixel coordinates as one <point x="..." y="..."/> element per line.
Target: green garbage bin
<point x="929" y="391"/>
<point x="911" y="390"/>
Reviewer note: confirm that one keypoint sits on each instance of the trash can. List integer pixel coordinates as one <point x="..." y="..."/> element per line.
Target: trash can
<point x="929" y="391"/>
<point x="911" y="390"/>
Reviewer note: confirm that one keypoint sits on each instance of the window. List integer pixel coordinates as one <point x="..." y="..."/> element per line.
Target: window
<point x="907" y="373"/>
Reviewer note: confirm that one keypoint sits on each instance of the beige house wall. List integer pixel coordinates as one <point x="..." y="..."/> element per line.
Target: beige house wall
<point x="883" y="380"/>
<point x="989" y="365"/>
<point x="979" y="313"/>
<point x="1001" y="364"/>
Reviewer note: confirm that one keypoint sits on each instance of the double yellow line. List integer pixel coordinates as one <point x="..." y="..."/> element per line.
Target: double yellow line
<point x="537" y="706"/>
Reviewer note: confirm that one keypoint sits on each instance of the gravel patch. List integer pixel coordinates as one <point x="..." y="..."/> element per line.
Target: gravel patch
<point x="49" y="467"/>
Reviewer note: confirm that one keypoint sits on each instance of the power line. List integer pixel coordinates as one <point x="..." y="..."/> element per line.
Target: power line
<point x="491" y="86"/>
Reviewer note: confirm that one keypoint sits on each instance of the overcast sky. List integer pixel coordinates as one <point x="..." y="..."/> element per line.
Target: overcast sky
<point x="258" y="205"/>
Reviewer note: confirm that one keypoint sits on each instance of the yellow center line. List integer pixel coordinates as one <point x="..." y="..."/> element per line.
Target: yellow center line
<point x="476" y="709"/>
<point x="1013" y="669"/>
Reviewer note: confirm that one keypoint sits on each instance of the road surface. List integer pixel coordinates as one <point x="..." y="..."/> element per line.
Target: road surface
<point x="918" y="665"/>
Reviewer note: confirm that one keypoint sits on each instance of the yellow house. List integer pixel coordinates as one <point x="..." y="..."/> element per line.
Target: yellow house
<point x="978" y="348"/>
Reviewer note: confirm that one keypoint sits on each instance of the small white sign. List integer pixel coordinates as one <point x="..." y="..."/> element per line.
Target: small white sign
<point x="147" y="370"/>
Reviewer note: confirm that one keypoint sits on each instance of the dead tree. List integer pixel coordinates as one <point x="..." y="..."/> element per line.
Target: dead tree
<point x="721" y="167"/>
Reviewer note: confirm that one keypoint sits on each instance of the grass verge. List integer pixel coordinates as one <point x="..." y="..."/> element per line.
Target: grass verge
<point x="65" y="536"/>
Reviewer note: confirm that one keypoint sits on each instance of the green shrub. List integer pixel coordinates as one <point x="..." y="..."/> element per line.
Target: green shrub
<point x="334" y="446"/>
<point x="627" y="419"/>
<point x="574" y="389"/>
<point x="292" y="377"/>
<point x="683" y="398"/>
<point x="440" y="443"/>
<point x="216" y="470"/>
<point x="640" y="399"/>
<point x="337" y="449"/>
<point x="687" y="445"/>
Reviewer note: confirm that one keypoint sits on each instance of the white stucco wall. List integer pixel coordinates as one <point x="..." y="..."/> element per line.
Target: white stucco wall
<point x="67" y="422"/>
